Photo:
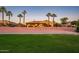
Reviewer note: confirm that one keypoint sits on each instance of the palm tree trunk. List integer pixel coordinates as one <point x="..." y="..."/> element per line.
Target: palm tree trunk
<point x="24" y="19"/>
<point x="53" y="21"/>
<point x="3" y="17"/>
<point x="19" y="19"/>
<point x="9" y="19"/>
<point x="48" y="20"/>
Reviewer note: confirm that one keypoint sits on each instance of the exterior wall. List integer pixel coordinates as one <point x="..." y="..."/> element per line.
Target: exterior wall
<point x="39" y="24"/>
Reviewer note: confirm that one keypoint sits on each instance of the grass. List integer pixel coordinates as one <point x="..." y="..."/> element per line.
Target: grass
<point x="40" y="43"/>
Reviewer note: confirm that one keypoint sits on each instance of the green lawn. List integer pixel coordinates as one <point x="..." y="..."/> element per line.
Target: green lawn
<point x="39" y="43"/>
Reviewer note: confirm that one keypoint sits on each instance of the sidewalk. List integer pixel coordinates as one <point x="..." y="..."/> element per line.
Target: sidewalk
<point x="42" y="30"/>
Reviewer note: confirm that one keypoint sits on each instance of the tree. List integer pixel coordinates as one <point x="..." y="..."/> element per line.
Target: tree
<point x="77" y="26"/>
<point x="48" y="15"/>
<point x="20" y="16"/>
<point x="9" y="14"/>
<point x="77" y="23"/>
<point x="64" y="20"/>
<point x="53" y="16"/>
<point x="73" y="22"/>
<point x="3" y="11"/>
<point x="24" y="13"/>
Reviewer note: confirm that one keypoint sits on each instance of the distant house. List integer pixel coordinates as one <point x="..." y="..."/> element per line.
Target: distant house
<point x="44" y="23"/>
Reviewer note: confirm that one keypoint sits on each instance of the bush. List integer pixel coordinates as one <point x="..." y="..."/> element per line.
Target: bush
<point x="77" y="29"/>
<point x="12" y="24"/>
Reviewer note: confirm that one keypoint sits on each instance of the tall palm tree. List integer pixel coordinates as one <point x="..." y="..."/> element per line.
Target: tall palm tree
<point x="64" y="20"/>
<point x="3" y="11"/>
<point x="24" y="13"/>
<point x="20" y="16"/>
<point x="53" y="16"/>
<point x="9" y="14"/>
<point x="48" y="15"/>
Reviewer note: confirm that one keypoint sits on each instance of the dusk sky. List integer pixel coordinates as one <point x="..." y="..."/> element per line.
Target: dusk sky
<point x="36" y="13"/>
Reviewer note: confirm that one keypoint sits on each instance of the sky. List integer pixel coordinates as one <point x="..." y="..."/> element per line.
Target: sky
<point x="38" y="13"/>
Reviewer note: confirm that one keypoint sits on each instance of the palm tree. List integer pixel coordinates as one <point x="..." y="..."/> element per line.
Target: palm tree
<point x="20" y="16"/>
<point x="3" y="11"/>
<point x="53" y="15"/>
<point x="64" y="20"/>
<point x="24" y="13"/>
<point x="9" y="14"/>
<point x="48" y="15"/>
